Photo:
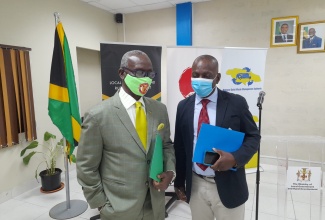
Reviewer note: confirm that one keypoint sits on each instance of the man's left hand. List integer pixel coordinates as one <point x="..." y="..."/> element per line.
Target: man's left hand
<point x="166" y="178"/>
<point x="225" y="162"/>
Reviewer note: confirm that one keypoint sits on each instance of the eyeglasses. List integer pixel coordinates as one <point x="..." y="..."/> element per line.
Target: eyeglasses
<point x="140" y="73"/>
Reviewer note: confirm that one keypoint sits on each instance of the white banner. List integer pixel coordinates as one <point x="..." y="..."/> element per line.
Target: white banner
<point x="179" y="64"/>
<point x="242" y="72"/>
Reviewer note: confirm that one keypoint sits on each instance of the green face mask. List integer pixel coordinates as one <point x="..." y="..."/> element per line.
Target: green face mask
<point x="139" y="86"/>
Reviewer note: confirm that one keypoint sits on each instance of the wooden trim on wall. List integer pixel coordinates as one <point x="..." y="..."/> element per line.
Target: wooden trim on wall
<point x="3" y="46"/>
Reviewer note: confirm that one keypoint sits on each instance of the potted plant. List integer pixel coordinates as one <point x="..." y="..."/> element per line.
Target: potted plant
<point x="51" y="176"/>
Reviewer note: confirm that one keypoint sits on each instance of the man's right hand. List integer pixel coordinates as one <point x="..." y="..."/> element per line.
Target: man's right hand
<point x="180" y="192"/>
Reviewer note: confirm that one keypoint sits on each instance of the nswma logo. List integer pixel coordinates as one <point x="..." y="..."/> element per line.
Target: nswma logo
<point x="243" y="76"/>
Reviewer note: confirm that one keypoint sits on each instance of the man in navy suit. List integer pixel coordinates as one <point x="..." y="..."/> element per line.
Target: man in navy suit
<point x="313" y="41"/>
<point x="284" y="37"/>
<point x="215" y="192"/>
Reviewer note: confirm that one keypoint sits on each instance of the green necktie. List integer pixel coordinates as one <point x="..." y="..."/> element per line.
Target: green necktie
<point x="141" y="123"/>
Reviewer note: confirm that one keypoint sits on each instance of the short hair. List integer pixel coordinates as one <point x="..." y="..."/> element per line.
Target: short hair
<point x="127" y="55"/>
<point x="284" y="24"/>
<point x="207" y="57"/>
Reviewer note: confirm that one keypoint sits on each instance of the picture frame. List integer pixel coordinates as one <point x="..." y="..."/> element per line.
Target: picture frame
<point x="311" y="37"/>
<point x="284" y="31"/>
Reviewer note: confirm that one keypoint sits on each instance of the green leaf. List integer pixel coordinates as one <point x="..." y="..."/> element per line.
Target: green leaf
<point x="61" y="142"/>
<point x="73" y="158"/>
<point x="36" y="175"/>
<point x="48" y="135"/>
<point x="32" y="145"/>
<point x="27" y="158"/>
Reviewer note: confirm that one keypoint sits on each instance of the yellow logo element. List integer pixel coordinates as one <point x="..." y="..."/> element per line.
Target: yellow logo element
<point x="243" y="76"/>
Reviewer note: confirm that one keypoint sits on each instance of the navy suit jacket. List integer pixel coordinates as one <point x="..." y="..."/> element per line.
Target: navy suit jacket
<point x="232" y="112"/>
<point x="278" y="39"/>
<point x="314" y="43"/>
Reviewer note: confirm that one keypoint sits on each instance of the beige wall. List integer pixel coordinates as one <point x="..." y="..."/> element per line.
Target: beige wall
<point x="294" y="83"/>
<point x="31" y="24"/>
<point x="90" y="84"/>
<point x="294" y="102"/>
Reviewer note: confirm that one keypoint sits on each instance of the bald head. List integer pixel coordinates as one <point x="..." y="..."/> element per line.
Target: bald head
<point x="134" y="56"/>
<point x="311" y="32"/>
<point x="207" y="60"/>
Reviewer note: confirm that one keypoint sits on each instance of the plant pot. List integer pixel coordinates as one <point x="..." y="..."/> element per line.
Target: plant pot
<point x="52" y="182"/>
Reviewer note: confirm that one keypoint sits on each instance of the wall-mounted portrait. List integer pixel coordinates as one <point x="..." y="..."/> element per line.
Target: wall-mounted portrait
<point x="284" y="31"/>
<point x="311" y="37"/>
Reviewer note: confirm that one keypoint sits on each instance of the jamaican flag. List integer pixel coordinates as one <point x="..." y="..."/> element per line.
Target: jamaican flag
<point x="63" y="100"/>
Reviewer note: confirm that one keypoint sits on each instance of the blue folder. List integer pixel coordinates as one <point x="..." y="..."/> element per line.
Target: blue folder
<point x="216" y="137"/>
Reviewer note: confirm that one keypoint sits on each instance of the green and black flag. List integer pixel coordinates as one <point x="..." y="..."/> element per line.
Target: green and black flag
<point x="63" y="100"/>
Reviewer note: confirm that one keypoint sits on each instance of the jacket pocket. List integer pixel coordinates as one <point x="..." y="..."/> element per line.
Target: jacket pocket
<point x="114" y="181"/>
<point x="234" y="122"/>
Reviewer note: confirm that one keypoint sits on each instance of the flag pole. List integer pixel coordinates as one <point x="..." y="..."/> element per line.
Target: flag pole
<point x="66" y="165"/>
<point x="67" y="209"/>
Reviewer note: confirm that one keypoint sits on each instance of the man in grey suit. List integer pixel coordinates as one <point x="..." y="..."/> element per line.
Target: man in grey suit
<point x="113" y="160"/>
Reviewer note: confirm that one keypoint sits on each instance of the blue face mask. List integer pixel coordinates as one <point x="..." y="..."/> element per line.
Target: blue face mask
<point x="202" y="87"/>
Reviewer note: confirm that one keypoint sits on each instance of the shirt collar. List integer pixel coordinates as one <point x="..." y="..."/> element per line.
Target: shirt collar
<point x="213" y="97"/>
<point x="127" y="100"/>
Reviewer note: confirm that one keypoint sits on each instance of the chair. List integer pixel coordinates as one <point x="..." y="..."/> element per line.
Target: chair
<point x="167" y="206"/>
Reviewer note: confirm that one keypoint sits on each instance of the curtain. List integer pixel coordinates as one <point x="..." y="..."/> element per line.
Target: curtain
<point x="16" y="97"/>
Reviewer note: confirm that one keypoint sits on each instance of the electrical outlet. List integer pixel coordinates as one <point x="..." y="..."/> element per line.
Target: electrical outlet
<point x="5" y="196"/>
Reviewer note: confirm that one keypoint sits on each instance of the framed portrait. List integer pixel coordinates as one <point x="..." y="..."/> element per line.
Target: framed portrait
<point x="284" y="31"/>
<point x="311" y="36"/>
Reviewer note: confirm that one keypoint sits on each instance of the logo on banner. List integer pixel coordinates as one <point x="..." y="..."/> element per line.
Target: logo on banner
<point x="304" y="178"/>
<point x="303" y="175"/>
<point x="185" y="86"/>
<point x="243" y="76"/>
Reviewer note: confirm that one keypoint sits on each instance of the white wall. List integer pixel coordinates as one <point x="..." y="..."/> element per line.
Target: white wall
<point x="294" y="88"/>
<point x="90" y="83"/>
<point x="294" y="102"/>
<point x="31" y="24"/>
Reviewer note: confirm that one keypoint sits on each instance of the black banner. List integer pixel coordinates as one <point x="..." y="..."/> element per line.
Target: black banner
<point x="111" y="55"/>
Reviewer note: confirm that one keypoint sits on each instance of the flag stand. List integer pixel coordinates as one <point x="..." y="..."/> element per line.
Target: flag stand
<point x="68" y="209"/>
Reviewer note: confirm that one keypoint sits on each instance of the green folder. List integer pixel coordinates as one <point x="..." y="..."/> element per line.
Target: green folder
<point x="157" y="160"/>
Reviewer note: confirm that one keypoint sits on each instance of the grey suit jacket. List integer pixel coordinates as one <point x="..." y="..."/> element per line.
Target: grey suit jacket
<point x="112" y="166"/>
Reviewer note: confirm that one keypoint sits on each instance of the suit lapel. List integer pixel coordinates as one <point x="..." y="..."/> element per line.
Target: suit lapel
<point x="150" y="122"/>
<point x="221" y="107"/>
<point x="126" y="121"/>
<point x="190" y="115"/>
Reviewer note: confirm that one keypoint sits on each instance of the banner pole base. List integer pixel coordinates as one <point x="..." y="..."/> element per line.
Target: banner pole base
<point x="60" y="210"/>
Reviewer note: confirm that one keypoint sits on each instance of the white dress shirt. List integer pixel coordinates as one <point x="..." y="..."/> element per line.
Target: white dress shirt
<point x="212" y="112"/>
<point x="129" y="103"/>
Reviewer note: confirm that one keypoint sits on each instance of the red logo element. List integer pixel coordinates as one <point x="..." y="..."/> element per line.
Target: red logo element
<point x="143" y="88"/>
<point x="185" y="85"/>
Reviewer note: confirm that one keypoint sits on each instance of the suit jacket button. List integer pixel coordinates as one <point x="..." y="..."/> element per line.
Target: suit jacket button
<point x="147" y="183"/>
<point x="148" y="161"/>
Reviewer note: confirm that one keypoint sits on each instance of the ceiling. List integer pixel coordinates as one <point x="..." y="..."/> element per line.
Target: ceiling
<point x="131" y="6"/>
